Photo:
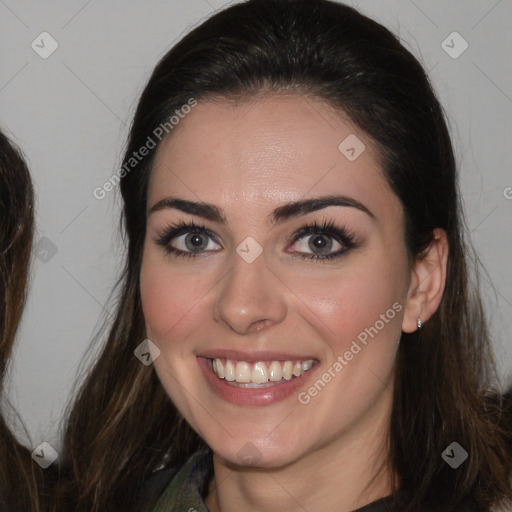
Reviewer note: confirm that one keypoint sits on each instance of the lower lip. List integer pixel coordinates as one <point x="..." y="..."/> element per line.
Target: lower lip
<point x="252" y="396"/>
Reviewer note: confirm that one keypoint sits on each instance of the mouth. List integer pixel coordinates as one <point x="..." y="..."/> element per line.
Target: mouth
<point x="258" y="374"/>
<point x="258" y="379"/>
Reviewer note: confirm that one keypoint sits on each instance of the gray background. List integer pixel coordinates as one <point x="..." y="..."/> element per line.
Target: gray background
<point x="70" y="114"/>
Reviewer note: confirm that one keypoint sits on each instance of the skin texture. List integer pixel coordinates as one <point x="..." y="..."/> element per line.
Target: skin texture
<point x="247" y="159"/>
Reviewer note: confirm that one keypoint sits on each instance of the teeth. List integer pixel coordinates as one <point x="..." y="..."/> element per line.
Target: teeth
<point x="287" y="370"/>
<point x="306" y="365"/>
<point x="229" y="370"/>
<point x="260" y="372"/>
<point x="275" y="371"/>
<point x="219" y="369"/>
<point x="243" y="372"/>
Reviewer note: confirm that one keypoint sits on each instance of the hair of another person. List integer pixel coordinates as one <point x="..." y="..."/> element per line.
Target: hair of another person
<point x="123" y="426"/>
<point x="21" y="480"/>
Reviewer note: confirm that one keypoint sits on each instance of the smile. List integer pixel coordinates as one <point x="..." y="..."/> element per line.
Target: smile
<point x="263" y="379"/>
<point x="260" y="373"/>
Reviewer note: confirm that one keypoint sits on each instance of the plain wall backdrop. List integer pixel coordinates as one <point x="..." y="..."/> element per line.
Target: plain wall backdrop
<point x="70" y="76"/>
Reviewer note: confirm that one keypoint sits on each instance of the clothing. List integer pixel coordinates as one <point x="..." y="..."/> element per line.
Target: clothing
<point x="189" y="485"/>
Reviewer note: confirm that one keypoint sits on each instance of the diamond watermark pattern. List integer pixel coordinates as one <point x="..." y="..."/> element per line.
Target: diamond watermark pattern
<point x="249" y="249"/>
<point x="147" y="352"/>
<point x="454" y="455"/>
<point x="45" y="249"/>
<point x="45" y="455"/>
<point x="352" y="147"/>
<point x="44" y="45"/>
<point x="454" y="45"/>
<point x="248" y="454"/>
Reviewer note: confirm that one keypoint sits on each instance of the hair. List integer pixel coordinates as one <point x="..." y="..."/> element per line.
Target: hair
<point x="123" y="426"/>
<point x="21" y="481"/>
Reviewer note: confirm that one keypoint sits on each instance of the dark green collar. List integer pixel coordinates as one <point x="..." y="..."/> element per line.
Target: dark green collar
<point x="187" y="488"/>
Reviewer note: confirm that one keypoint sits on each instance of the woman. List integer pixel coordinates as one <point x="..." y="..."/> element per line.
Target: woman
<point x="21" y="480"/>
<point x="297" y="273"/>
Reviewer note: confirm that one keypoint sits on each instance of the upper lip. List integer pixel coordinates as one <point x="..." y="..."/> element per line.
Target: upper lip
<point x="253" y="357"/>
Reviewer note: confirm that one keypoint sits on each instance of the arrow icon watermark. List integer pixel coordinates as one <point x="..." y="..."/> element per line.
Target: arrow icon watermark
<point x="351" y="147"/>
<point x="147" y="352"/>
<point x="45" y="455"/>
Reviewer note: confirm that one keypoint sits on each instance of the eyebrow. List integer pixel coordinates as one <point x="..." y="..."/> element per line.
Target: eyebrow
<point x="279" y="215"/>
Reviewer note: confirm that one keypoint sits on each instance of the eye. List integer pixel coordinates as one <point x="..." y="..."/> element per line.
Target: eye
<point x="194" y="242"/>
<point x="321" y="240"/>
<point x="187" y="239"/>
<point x="318" y="243"/>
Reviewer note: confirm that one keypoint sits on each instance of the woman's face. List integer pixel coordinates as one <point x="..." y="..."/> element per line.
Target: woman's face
<point x="258" y="295"/>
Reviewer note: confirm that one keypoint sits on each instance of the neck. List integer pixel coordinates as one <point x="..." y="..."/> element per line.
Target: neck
<point x="343" y="475"/>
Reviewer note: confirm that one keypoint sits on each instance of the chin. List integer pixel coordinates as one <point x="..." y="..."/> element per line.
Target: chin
<point x="252" y="454"/>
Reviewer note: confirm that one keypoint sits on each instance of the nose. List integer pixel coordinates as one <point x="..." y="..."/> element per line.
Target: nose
<point x="250" y="297"/>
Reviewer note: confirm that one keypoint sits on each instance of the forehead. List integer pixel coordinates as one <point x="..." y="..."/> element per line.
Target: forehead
<point x="266" y="151"/>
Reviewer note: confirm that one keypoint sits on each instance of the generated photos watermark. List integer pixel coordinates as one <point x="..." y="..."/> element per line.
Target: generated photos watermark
<point x="137" y="156"/>
<point x="341" y="361"/>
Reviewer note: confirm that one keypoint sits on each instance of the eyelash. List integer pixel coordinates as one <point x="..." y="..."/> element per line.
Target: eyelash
<point x="341" y="235"/>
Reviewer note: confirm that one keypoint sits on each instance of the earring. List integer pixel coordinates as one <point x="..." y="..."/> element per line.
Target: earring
<point x="420" y="323"/>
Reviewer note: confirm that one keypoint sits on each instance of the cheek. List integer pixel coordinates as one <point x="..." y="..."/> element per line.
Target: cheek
<point x="168" y="296"/>
<point x="355" y="303"/>
<point x="359" y="315"/>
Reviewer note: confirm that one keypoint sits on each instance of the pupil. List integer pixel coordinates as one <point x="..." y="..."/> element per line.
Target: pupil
<point x="195" y="240"/>
<point x="319" y="242"/>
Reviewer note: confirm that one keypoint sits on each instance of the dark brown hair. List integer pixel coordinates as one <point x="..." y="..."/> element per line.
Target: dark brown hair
<point x="123" y="425"/>
<point x="21" y="482"/>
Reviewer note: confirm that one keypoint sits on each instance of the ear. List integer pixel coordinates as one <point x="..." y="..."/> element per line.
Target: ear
<point x="428" y="278"/>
